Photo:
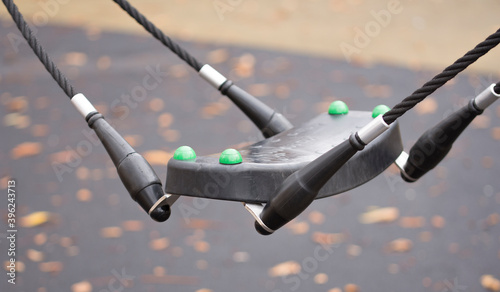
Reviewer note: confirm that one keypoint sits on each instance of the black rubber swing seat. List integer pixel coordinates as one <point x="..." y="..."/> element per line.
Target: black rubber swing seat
<point x="267" y="163"/>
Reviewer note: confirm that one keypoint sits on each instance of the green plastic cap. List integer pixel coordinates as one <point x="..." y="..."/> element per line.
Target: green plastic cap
<point x="230" y="156"/>
<point x="380" y="110"/>
<point x="338" y="107"/>
<point x="185" y="153"/>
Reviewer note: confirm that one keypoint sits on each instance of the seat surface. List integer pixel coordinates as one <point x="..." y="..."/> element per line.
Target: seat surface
<point x="267" y="163"/>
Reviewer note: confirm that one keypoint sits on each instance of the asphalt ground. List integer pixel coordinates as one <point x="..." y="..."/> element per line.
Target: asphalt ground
<point x="91" y="236"/>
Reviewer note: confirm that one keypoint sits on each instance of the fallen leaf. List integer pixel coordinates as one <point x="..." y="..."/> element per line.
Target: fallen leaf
<point x="18" y="104"/>
<point x="412" y="222"/>
<point x="34" y="255"/>
<point x="321" y="278"/>
<point x="75" y="59"/>
<point x="40" y="238"/>
<point x="83" y="286"/>
<point x="159" y="243"/>
<point x="316" y="217"/>
<point x="84" y="195"/>
<point x="351" y="288"/>
<point x="156" y="104"/>
<point x="111" y="232"/>
<point x="39" y="130"/>
<point x="157" y="157"/>
<point x="217" y="56"/>
<point x="165" y="120"/>
<point x="51" y="267"/>
<point x="201" y="246"/>
<point x="491" y="283"/>
<point x="26" y="149"/>
<point x="400" y="245"/>
<point x="298" y="227"/>
<point x="438" y="221"/>
<point x="284" y="269"/>
<point x="133" y="225"/>
<point x="35" y="219"/>
<point x="103" y="63"/>
<point x="426" y="106"/>
<point x="353" y="250"/>
<point x="327" y="238"/>
<point x="379" y="215"/>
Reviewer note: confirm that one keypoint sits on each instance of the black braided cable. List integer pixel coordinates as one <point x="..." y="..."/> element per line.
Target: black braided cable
<point x="159" y="35"/>
<point x="38" y="49"/>
<point x="443" y="77"/>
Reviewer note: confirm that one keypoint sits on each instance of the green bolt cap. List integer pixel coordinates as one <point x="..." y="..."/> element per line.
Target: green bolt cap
<point x="185" y="153"/>
<point x="338" y="107"/>
<point x="380" y="110"/>
<point x="230" y="156"/>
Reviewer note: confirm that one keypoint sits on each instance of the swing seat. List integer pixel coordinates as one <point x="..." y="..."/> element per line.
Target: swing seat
<point x="267" y="163"/>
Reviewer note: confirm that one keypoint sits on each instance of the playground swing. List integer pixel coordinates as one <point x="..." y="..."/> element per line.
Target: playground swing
<point x="279" y="177"/>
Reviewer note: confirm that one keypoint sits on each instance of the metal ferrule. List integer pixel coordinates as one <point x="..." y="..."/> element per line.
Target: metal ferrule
<point x="82" y="104"/>
<point x="212" y="76"/>
<point x="486" y="98"/>
<point x="373" y="129"/>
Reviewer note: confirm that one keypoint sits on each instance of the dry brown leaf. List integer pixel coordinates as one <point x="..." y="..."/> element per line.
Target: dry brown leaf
<point x="66" y="241"/>
<point x="259" y="89"/>
<point x="35" y="219"/>
<point x="18" y="104"/>
<point x="284" y="269"/>
<point x="427" y="106"/>
<point x="481" y="122"/>
<point x="165" y="120"/>
<point x="75" y="59"/>
<point x="321" y="278"/>
<point x="34" y="255"/>
<point x="215" y="109"/>
<point x="82" y="173"/>
<point x="244" y="67"/>
<point x="26" y="149"/>
<point x="159" y="271"/>
<point x="316" y="217"/>
<point x="298" y="227"/>
<point x="103" y="63"/>
<point x="83" y="286"/>
<point x="327" y="238"/>
<point x="51" y="267"/>
<point x="400" y="245"/>
<point x="111" y="232"/>
<point x="133" y="225"/>
<point x="159" y="243"/>
<point x="217" y="56"/>
<point x="490" y="282"/>
<point x="388" y="214"/>
<point x="336" y="289"/>
<point x="197" y="223"/>
<point x="63" y="156"/>
<point x="157" y="157"/>
<point x="39" y="130"/>
<point x="351" y="288"/>
<point x="204" y="290"/>
<point x="20" y="267"/>
<point x="40" y="238"/>
<point x="201" y="246"/>
<point x="156" y="104"/>
<point x="438" y="221"/>
<point x="178" y="71"/>
<point x="354" y="250"/>
<point x="493" y="219"/>
<point x="495" y="133"/>
<point x="133" y="140"/>
<point x="84" y="195"/>
<point x="412" y="222"/>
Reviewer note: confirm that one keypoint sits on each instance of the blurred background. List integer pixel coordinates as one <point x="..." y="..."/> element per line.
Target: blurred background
<point x="78" y="230"/>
